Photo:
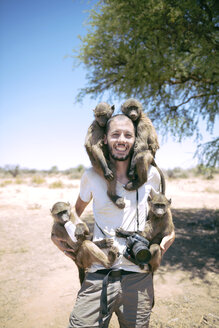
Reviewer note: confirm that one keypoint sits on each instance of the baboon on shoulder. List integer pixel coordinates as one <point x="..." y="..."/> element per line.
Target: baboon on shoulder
<point x="158" y="225"/>
<point x="146" y="145"/>
<point x="94" y="144"/>
<point x="83" y="251"/>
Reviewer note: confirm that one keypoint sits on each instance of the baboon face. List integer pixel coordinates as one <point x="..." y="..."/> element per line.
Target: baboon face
<point x="61" y="212"/>
<point x="159" y="205"/>
<point x="132" y="108"/>
<point x="103" y="112"/>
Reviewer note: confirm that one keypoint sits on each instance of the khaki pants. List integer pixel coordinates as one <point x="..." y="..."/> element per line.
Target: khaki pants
<point x="130" y="296"/>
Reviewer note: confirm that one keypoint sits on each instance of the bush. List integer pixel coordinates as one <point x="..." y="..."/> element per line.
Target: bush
<point x="57" y="184"/>
<point x="37" y="179"/>
<point x="177" y="173"/>
<point x="75" y="173"/>
<point x="6" y="183"/>
<point x="19" y="181"/>
<point x="206" y="172"/>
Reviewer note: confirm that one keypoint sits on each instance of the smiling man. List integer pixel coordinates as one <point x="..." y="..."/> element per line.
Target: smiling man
<point x="125" y="289"/>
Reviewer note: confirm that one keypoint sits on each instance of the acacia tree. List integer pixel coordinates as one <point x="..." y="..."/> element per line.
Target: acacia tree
<point x="162" y="52"/>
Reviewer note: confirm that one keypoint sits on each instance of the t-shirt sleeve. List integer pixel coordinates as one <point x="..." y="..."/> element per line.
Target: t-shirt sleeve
<point x="154" y="179"/>
<point x="85" y="188"/>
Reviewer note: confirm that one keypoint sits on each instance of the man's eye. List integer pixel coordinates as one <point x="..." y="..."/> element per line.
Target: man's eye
<point x="115" y="135"/>
<point x="128" y="136"/>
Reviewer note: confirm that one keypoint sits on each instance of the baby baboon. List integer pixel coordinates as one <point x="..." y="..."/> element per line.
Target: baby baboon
<point x="146" y="145"/>
<point x="94" y="144"/>
<point x="84" y="252"/>
<point x="158" y="225"/>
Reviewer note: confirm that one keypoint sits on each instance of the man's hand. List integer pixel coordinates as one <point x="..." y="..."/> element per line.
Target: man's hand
<point x="166" y="242"/>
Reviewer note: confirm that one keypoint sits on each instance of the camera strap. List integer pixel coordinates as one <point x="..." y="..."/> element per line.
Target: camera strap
<point x="100" y="229"/>
<point x="137" y="215"/>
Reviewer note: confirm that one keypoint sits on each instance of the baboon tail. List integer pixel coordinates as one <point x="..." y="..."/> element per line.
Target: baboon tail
<point x="163" y="182"/>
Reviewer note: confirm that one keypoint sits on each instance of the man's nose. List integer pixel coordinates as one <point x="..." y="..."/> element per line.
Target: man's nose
<point x="122" y="138"/>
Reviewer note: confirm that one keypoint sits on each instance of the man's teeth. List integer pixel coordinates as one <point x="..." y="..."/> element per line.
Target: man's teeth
<point x="120" y="148"/>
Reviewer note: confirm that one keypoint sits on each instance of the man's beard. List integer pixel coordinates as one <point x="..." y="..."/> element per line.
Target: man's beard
<point x="118" y="158"/>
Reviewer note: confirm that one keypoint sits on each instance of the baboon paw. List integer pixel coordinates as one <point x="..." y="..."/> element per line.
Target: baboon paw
<point x="108" y="242"/>
<point x="113" y="254"/>
<point x="131" y="174"/>
<point x="109" y="175"/>
<point x="129" y="186"/>
<point x="120" y="232"/>
<point x="133" y="185"/>
<point x="120" y="203"/>
<point x="81" y="231"/>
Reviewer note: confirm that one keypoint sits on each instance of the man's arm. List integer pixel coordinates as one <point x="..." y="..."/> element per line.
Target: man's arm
<point x="166" y="242"/>
<point x="80" y="207"/>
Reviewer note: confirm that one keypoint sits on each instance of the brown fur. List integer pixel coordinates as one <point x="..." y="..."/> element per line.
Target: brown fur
<point x="158" y="225"/>
<point x="94" y="144"/>
<point x="146" y="145"/>
<point x="84" y="252"/>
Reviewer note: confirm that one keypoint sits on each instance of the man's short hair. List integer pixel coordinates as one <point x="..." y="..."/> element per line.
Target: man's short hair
<point x="119" y="117"/>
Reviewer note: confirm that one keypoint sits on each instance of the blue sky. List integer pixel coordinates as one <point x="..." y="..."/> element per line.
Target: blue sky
<point x="40" y="123"/>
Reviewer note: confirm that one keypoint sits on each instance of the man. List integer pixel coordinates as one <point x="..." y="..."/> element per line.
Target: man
<point x="129" y="289"/>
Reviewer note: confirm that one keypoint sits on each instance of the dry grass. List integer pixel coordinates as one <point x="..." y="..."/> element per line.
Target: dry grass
<point x="39" y="284"/>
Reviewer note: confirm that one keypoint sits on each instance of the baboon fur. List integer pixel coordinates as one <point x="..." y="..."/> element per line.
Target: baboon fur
<point x="146" y="145"/>
<point x="84" y="252"/>
<point x="158" y="225"/>
<point x="94" y="144"/>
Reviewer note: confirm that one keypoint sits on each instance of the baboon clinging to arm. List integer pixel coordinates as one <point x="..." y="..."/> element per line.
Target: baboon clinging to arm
<point x="83" y="251"/>
<point x="95" y="149"/>
<point x="146" y="145"/>
<point x="159" y="225"/>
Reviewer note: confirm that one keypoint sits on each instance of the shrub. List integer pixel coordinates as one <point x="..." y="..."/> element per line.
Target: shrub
<point x="56" y="184"/>
<point x="177" y="173"/>
<point x="19" y="181"/>
<point x="6" y="183"/>
<point x="37" y="179"/>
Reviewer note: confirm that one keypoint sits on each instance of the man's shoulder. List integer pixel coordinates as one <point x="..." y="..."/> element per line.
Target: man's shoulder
<point x="90" y="173"/>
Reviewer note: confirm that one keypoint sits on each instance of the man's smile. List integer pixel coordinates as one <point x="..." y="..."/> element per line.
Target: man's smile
<point x="121" y="148"/>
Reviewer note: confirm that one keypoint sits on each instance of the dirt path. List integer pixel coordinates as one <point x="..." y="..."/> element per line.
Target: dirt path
<point x="39" y="285"/>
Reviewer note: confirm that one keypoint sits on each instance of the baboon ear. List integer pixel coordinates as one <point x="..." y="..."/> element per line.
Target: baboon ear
<point x="170" y="201"/>
<point x="113" y="108"/>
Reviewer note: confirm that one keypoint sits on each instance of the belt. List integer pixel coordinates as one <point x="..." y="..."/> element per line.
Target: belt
<point x="113" y="273"/>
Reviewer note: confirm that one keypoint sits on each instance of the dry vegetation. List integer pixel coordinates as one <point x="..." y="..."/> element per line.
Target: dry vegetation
<point x="39" y="284"/>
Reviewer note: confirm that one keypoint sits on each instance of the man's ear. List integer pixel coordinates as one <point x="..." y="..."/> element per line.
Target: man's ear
<point x="105" y="139"/>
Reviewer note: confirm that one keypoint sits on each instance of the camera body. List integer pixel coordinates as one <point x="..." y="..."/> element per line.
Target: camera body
<point x="137" y="250"/>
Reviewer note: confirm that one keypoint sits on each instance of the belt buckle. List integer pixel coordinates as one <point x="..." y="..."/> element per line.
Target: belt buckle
<point x="116" y="274"/>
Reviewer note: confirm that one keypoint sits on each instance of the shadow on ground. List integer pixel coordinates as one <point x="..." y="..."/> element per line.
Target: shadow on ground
<point x="196" y="245"/>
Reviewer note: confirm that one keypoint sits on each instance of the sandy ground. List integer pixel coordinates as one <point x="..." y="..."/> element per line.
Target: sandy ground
<point x="39" y="284"/>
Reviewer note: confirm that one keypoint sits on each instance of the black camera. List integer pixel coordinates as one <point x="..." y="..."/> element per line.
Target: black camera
<point x="137" y="250"/>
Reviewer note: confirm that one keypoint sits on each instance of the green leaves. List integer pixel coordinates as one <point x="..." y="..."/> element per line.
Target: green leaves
<point x="163" y="52"/>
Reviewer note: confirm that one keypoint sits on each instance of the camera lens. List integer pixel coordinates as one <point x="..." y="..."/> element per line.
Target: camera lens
<point x="141" y="253"/>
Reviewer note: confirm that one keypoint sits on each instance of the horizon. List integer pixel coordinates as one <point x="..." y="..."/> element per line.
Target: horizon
<point x="41" y="125"/>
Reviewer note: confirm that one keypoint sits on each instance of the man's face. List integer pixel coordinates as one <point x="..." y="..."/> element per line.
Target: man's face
<point x="120" y="138"/>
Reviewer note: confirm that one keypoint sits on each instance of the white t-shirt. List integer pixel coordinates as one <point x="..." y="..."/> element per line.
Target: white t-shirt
<point x="109" y="217"/>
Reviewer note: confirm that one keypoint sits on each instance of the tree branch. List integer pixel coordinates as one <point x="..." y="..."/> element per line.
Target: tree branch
<point x="190" y="98"/>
